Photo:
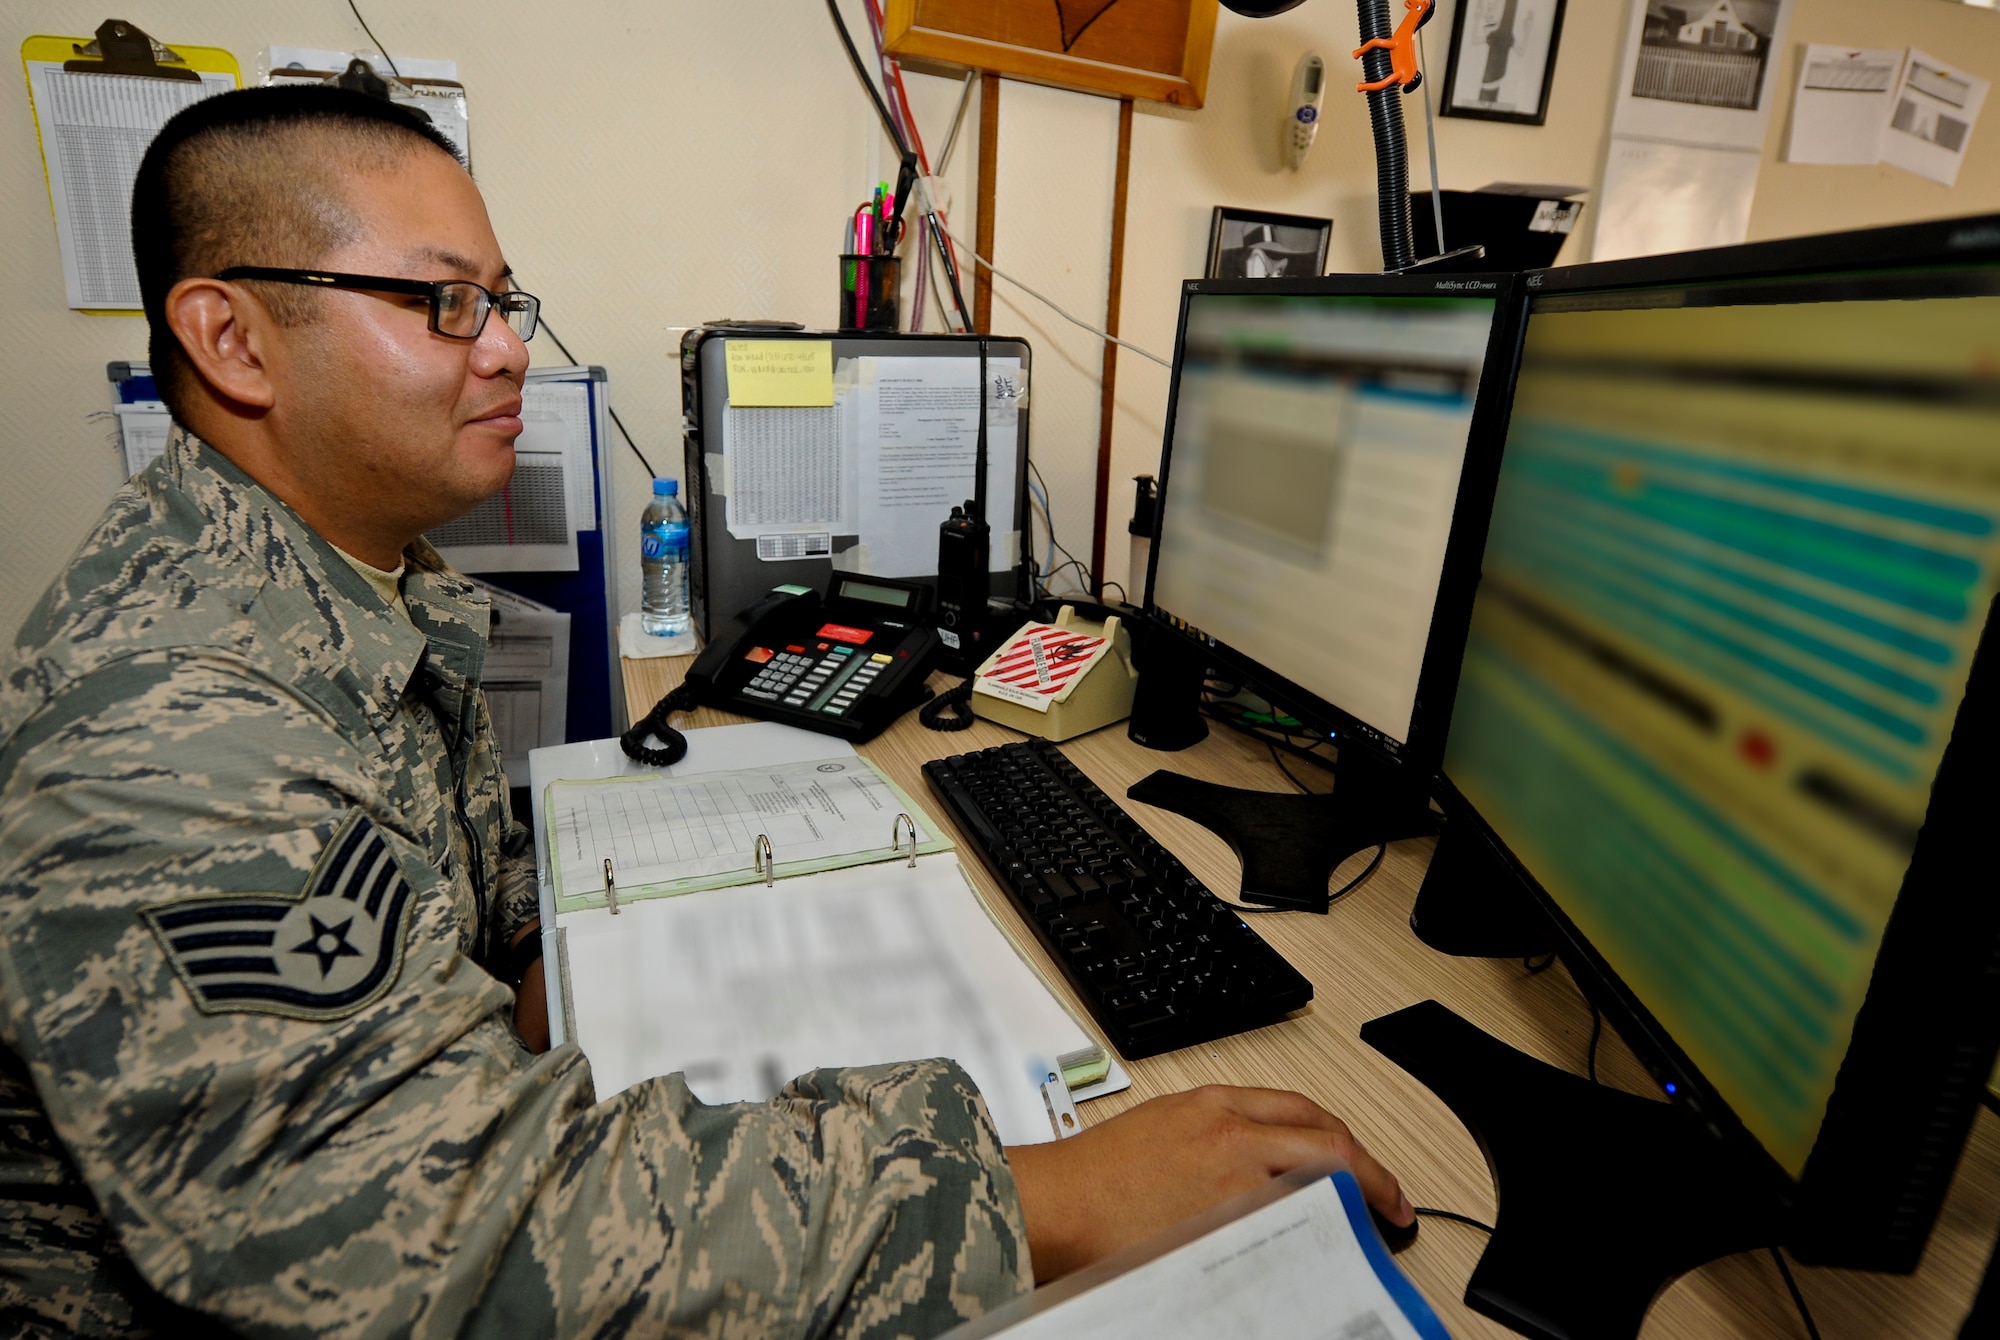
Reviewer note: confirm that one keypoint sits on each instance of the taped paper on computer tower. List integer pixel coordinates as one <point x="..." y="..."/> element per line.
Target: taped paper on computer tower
<point x="1040" y="665"/>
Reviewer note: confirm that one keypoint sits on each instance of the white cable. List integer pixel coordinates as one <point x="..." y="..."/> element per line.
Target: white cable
<point x="1048" y="302"/>
<point x="964" y="97"/>
<point x="1430" y="134"/>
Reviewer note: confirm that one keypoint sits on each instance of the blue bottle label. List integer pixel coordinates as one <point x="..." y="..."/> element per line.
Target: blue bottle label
<point x="666" y="540"/>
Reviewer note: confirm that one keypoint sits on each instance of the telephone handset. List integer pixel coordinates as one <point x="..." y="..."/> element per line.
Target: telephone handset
<point x="846" y="664"/>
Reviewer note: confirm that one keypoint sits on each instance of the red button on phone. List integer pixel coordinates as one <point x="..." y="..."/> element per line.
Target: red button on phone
<point x="796" y="651"/>
<point x="759" y="655"/>
<point x="840" y="632"/>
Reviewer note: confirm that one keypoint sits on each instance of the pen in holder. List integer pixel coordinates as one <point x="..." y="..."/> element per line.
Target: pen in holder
<point x="868" y="289"/>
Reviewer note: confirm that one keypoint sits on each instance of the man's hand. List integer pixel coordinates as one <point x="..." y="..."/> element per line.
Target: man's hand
<point x="1171" y="1158"/>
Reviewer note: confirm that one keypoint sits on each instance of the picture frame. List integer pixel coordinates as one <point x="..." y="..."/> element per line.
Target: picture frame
<point x="1503" y="60"/>
<point x="1145" y="49"/>
<point x="1256" y="244"/>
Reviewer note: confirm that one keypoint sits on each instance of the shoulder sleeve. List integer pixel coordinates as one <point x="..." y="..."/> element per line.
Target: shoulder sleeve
<point x="306" y="1117"/>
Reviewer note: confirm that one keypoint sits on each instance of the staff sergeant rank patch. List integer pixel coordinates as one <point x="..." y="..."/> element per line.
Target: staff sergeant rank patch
<point x="322" y="953"/>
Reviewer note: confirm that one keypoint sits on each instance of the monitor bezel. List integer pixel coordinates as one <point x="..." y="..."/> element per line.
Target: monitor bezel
<point x="1422" y="753"/>
<point x="1928" y="1029"/>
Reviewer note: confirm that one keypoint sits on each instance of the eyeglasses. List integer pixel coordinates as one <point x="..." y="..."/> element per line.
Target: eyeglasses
<point x="459" y="307"/>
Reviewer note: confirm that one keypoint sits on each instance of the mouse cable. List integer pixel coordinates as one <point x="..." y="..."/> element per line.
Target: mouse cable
<point x="1272" y="745"/>
<point x="1381" y="850"/>
<point x="1458" y="1218"/>
<point x="1805" y="1313"/>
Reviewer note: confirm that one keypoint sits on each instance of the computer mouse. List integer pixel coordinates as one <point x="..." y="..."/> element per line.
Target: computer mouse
<point x="1396" y="1238"/>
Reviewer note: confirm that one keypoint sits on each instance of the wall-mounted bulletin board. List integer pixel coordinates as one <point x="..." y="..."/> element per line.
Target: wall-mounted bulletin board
<point x="1156" y="50"/>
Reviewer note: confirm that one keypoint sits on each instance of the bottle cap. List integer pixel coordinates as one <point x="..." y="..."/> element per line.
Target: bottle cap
<point x="668" y="488"/>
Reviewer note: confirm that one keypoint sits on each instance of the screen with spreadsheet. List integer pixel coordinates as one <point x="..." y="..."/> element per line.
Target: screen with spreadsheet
<point x="1743" y="547"/>
<point x="1316" y="449"/>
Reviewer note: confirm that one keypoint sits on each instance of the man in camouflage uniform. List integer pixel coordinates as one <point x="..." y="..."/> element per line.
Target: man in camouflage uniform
<point x="263" y="912"/>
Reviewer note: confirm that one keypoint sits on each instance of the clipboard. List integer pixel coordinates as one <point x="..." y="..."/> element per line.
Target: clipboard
<point x="147" y="82"/>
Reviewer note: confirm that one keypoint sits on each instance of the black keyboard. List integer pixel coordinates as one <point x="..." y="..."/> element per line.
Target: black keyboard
<point x="1160" y="961"/>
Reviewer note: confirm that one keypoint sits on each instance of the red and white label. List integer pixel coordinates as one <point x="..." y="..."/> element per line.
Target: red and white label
<point x="840" y="632"/>
<point x="1040" y="665"/>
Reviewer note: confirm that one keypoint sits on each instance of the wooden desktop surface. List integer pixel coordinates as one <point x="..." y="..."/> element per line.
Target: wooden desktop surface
<point x="1363" y="962"/>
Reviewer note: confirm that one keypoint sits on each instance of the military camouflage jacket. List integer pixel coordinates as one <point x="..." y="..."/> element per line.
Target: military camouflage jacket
<point x="253" y="856"/>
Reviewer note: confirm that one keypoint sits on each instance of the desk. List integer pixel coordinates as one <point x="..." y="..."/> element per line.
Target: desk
<point x="1363" y="962"/>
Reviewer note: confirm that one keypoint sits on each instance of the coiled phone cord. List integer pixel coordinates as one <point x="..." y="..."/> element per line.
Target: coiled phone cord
<point x="654" y="723"/>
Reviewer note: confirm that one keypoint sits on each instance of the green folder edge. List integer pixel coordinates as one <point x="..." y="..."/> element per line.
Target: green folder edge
<point x="729" y="879"/>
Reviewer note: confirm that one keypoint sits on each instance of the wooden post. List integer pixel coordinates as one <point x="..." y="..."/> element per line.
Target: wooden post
<point x="989" y="171"/>
<point x="1108" y="381"/>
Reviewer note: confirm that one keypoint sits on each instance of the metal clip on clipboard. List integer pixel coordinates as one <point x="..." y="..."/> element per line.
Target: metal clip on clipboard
<point x="122" y="48"/>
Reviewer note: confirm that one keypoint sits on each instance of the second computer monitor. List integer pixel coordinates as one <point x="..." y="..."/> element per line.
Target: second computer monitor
<point x="1317" y="451"/>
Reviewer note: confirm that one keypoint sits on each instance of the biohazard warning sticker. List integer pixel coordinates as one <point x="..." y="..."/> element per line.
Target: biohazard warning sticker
<point x="1040" y="665"/>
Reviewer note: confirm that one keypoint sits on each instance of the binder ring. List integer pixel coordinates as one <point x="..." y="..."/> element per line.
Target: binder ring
<point x="763" y="861"/>
<point x="896" y="837"/>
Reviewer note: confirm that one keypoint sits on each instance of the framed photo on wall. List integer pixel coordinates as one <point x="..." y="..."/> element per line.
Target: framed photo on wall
<point x="1250" y="244"/>
<point x="1503" y="59"/>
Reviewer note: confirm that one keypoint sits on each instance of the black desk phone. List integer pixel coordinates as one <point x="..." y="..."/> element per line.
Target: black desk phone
<point x="846" y="664"/>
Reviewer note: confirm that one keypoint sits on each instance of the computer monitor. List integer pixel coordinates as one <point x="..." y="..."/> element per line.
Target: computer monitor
<point x="1728" y="701"/>
<point x="1322" y="434"/>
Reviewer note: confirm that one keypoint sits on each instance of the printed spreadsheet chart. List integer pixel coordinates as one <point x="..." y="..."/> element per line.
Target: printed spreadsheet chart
<point x="662" y="829"/>
<point x="95" y="129"/>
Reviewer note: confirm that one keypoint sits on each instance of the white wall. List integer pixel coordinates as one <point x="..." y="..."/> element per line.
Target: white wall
<point x="653" y="163"/>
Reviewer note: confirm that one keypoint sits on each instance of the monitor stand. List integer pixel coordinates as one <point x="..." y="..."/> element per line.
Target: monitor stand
<point x="1290" y="844"/>
<point x="1471" y="905"/>
<point x="1605" y="1197"/>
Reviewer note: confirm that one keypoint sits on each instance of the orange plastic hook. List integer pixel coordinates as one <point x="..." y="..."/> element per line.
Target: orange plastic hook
<point x="1402" y="49"/>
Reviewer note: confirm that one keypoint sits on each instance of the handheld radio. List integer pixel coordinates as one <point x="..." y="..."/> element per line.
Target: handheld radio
<point x="964" y="548"/>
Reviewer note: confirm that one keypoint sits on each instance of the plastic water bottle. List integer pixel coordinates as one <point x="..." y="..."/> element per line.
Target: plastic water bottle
<point x="663" y="553"/>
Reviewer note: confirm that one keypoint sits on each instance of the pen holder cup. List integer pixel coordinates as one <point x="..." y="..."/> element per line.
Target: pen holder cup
<point x="868" y="290"/>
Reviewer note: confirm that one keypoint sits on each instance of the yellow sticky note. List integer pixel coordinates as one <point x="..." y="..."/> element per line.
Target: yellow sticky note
<point x="780" y="373"/>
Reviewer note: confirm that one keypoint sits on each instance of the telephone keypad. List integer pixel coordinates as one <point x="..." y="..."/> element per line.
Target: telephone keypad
<point x="828" y="683"/>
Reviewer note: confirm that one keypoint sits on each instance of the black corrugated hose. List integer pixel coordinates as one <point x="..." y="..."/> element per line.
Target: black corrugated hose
<point x="1392" y="151"/>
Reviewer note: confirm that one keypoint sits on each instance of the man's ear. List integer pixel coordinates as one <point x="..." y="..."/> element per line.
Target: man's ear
<point x="227" y="335"/>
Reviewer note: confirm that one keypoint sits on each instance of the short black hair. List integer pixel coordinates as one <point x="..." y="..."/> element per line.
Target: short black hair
<point x="247" y="178"/>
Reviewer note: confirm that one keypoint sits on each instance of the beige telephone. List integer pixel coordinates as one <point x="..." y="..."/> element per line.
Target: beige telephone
<point x="1058" y="680"/>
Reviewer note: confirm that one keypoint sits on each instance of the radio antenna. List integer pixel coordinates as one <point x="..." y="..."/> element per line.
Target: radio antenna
<point x="977" y="507"/>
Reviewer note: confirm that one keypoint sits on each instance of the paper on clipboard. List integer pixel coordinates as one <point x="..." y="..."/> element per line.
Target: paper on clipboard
<point x="526" y="678"/>
<point x="422" y="84"/>
<point x="531" y="525"/>
<point x="94" y="130"/>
